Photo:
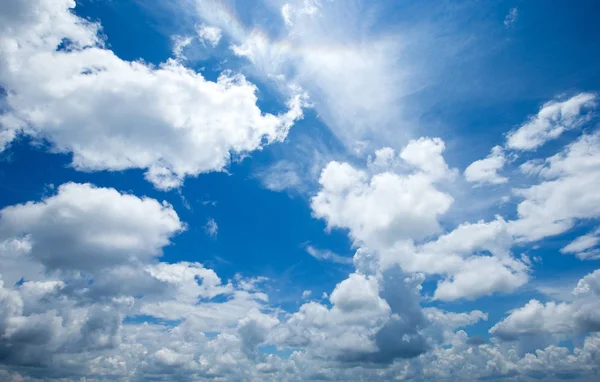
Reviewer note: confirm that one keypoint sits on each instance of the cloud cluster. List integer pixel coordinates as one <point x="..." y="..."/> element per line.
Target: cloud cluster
<point x="63" y="85"/>
<point x="85" y="293"/>
<point x="552" y="120"/>
<point x="393" y="209"/>
<point x="582" y="315"/>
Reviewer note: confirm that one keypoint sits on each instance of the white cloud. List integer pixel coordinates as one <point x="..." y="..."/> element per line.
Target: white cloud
<point x="582" y="315"/>
<point x="209" y="34"/>
<point x="114" y="114"/>
<point x="486" y="170"/>
<point x="349" y="326"/>
<point x="355" y="75"/>
<point x="281" y="176"/>
<point x="480" y="276"/>
<point x="567" y="191"/>
<point x="179" y="45"/>
<point x="109" y="227"/>
<point x="290" y="12"/>
<point x="94" y="257"/>
<point x="584" y="246"/>
<point x="327" y="255"/>
<point x="396" y="202"/>
<point x="511" y="17"/>
<point x="386" y="206"/>
<point x="475" y="259"/>
<point x="554" y="118"/>
<point x="211" y="228"/>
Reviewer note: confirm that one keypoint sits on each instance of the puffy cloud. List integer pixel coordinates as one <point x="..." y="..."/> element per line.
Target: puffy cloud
<point x="480" y="276"/>
<point x="463" y="360"/>
<point x="554" y="118"/>
<point x="373" y="319"/>
<point x="168" y="120"/>
<point x="396" y="202"/>
<point x="386" y="206"/>
<point x="486" y="170"/>
<point x="254" y="330"/>
<point x="581" y="315"/>
<point x="96" y="279"/>
<point x="348" y="327"/>
<point x="328" y="48"/>
<point x="85" y="228"/>
<point x="474" y="257"/>
<point x="566" y="193"/>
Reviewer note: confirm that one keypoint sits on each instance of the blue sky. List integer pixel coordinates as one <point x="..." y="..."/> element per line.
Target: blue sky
<point x="299" y="190"/>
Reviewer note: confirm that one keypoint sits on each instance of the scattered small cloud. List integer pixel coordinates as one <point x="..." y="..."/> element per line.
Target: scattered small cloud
<point x="327" y="255"/>
<point x="211" y="228"/>
<point x="511" y="17"/>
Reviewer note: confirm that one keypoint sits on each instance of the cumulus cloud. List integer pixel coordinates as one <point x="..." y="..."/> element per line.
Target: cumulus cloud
<point x="168" y="120"/>
<point x="554" y="118"/>
<point x="95" y="254"/>
<point x="396" y="202"/>
<point x="486" y="170"/>
<point x="582" y="315"/>
<point x="83" y="290"/>
<point x="386" y="206"/>
<point x="566" y="191"/>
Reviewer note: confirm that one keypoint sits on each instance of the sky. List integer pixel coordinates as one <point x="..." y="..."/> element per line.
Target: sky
<point x="291" y="190"/>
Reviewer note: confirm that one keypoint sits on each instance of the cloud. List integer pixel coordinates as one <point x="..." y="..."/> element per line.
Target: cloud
<point x="95" y="252"/>
<point x="584" y="246"/>
<point x="109" y="227"/>
<point x="395" y="202"/>
<point x="168" y="120"/>
<point x="355" y="75"/>
<point x="554" y="118"/>
<point x="84" y="291"/>
<point x="180" y="43"/>
<point x="385" y="206"/>
<point x="373" y="319"/>
<point x="211" y="228"/>
<point x="565" y="194"/>
<point x="209" y="35"/>
<point x="582" y="315"/>
<point x="511" y="17"/>
<point x="486" y="170"/>
<point x="327" y="255"/>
